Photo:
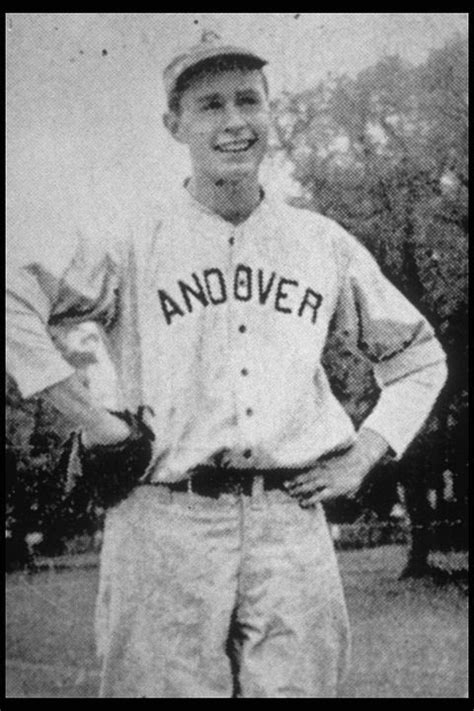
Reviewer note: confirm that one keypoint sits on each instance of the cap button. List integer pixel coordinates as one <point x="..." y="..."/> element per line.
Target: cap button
<point x="210" y="36"/>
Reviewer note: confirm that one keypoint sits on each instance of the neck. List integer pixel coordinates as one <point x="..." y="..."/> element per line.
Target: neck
<point x="233" y="199"/>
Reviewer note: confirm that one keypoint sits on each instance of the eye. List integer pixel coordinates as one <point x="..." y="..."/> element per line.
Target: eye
<point x="249" y="100"/>
<point x="212" y="105"/>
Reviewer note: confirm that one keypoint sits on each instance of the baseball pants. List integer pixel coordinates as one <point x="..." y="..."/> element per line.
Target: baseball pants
<point x="238" y="596"/>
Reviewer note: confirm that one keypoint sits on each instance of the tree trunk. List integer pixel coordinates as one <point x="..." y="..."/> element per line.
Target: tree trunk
<point x="413" y="286"/>
<point x="416" y="484"/>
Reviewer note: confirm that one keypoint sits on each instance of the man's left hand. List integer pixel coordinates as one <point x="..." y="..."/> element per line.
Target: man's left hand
<point x="340" y="475"/>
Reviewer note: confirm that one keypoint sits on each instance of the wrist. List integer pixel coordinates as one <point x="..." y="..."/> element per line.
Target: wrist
<point x="106" y="429"/>
<point x="375" y="446"/>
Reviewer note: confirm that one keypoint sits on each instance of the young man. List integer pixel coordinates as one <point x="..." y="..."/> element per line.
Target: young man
<point x="218" y="576"/>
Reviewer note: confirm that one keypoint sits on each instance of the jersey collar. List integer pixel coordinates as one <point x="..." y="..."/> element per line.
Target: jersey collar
<point x="197" y="207"/>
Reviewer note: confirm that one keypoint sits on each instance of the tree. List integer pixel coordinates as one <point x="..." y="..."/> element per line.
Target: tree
<point x="39" y="442"/>
<point x="37" y="457"/>
<point x="385" y="155"/>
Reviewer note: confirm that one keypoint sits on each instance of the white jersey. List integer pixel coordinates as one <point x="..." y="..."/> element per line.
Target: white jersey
<point x="220" y="329"/>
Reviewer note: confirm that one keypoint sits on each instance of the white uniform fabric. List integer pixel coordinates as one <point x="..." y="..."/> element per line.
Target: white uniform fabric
<point x="177" y="568"/>
<point x="220" y="330"/>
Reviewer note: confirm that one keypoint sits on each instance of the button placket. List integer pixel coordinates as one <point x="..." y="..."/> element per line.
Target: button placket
<point x="244" y="386"/>
<point x="239" y="356"/>
<point x="236" y="329"/>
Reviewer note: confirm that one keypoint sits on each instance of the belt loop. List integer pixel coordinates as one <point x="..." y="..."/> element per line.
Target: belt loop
<point x="189" y="492"/>
<point x="258" y="492"/>
<point x="163" y="492"/>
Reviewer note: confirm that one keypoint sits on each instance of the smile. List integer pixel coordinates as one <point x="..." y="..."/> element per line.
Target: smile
<point x="237" y="146"/>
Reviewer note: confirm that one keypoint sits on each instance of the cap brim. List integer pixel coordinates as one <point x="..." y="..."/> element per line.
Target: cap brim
<point x="225" y="60"/>
<point x="224" y="57"/>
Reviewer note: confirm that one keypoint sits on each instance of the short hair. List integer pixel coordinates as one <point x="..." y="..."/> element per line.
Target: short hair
<point x="213" y="67"/>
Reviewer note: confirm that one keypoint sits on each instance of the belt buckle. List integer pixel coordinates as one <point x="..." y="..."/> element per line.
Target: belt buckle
<point x="245" y="483"/>
<point x="210" y="482"/>
<point x="230" y="482"/>
<point x="215" y="482"/>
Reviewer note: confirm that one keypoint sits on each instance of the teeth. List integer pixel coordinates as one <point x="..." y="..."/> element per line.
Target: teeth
<point x="235" y="146"/>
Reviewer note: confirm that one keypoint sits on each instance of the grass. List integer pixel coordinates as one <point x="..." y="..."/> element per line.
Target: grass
<point x="409" y="636"/>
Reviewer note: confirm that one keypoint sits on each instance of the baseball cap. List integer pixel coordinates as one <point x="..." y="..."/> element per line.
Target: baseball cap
<point x="210" y="47"/>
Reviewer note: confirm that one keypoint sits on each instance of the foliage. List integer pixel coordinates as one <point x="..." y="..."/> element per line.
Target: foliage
<point x="37" y="457"/>
<point x="385" y="154"/>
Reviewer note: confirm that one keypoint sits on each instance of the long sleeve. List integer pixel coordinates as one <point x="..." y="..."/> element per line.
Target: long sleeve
<point x="43" y="294"/>
<point x="409" y="363"/>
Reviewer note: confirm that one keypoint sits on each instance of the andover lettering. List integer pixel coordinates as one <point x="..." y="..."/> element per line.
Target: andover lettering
<point x="312" y="300"/>
<point x="243" y="283"/>
<point x="198" y="293"/>
<point x="264" y="291"/>
<point x="281" y="294"/>
<point x="211" y="288"/>
<point x="169" y="306"/>
<point x="216" y="289"/>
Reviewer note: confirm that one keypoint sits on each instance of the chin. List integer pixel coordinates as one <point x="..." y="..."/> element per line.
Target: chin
<point x="237" y="172"/>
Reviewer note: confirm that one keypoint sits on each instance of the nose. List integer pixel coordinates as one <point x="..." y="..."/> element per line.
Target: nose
<point x="233" y="119"/>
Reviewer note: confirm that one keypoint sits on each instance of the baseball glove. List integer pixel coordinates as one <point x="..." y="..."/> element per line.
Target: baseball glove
<point x="110" y="472"/>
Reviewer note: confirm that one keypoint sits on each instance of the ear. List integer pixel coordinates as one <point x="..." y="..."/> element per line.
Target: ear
<point x="172" y="122"/>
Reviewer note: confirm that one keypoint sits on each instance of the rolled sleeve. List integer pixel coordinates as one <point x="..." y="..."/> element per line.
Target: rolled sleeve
<point x="409" y="363"/>
<point x="42" y="294"/>
<point x="404" y="406"/>
<point x="32" y="360"/>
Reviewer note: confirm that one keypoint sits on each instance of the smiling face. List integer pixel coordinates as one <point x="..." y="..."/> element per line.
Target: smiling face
<point x="224" y="120"/>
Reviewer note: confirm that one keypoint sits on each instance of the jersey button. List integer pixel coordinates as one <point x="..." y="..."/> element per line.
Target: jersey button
<point x="231" y="241"/>
<point x="242" y="328"/>
<point x="247" y="453"/>
<point x="249" y="412"/>
<point x="244" y="371"/>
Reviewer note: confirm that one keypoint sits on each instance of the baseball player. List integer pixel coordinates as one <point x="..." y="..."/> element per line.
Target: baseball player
<point x="218" y="576"/>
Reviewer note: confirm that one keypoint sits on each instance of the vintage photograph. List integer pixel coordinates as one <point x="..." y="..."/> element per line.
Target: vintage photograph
<point x="237" y="355"/>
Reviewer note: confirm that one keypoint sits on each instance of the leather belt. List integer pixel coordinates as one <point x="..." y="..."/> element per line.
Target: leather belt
<point x="213" y="482"/>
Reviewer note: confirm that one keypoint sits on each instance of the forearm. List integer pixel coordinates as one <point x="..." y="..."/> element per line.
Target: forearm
<point x="50" y="290"/>
<point x="32" y="358"/>
<point x="374" y="446"/>
<point x="39" y="368"/>
<point x="408" y="360"/>
<point x="72" y="398"/>
<point x="404" y="406"/>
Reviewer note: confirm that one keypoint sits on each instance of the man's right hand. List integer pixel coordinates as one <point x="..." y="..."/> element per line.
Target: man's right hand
<point x="97" y="425"/>
<point x="108" y="429"/>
